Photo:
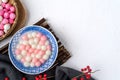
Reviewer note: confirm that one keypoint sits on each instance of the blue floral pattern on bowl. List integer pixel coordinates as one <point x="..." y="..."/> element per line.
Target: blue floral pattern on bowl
<point x="43" y="67"/>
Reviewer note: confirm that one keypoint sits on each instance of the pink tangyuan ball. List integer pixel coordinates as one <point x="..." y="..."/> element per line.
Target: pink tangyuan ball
<point x="7" y="6"/>
<point x="27" y="47"/>
<point x="31" y="50"/>
<point x="37" y="64"/>
<point x="12" y="16"/>
<point x="34" y="60"/>
<point x="43" y="38"/>
<point x="11" y="21"/>
<point x="1" y="26"/>
<point x="49" y="47"/>
<point x="24" y="37"/>
<point x="39" y="35"/>
<point x="22" y="47"/>
<point x="42" y="61"/>
<point x="17" y="51"/>
<point x="3" y="4"/>
<point x="28" y="54"/>
<point x="6" y="15"/>
<point x="42" y="53"/>
<point x="41" y="42"/>
<point x="1" y="12"/>
<point x="37" y="51"/>
<point x="12" y="9"/>
<point x="5" y="21"/>
<point x="23" y="60"/>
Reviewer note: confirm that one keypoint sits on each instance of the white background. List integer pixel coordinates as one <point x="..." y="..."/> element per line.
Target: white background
<point x="89" y="29"/>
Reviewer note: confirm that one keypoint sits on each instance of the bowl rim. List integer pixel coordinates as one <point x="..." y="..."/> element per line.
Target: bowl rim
<point x="44" y="69"/>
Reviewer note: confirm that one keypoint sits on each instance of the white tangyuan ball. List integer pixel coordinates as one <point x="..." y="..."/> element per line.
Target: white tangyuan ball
<point x="19" y="57"/>
<point x="24" y="52"/>
<point x="18" y="46"/>
<point x="25" y="42"/>
<point x="29" y="35"/>
<point x="34" y="34"/>
<point x="36" y="40"/>
<point x="5" y="31"/>
<point x="38" y="47"/>
<point x="7" y="26"/>
<point x="45" y="57"/>
<point x="0" y="2"/>
<point x="32" y="64"/>
<point x="43" y="48"/>
<point x="38" y="56"/>
<point x="31" y="41"/>
<point x="20" y="41"/>
<point x="48" y="52"/>
<point x="1" y="7"/>
<point x="34" y="46"/>
<point x="26" y="64"/>
<point x="32" y="55"/>
<point x="4" y="1"/>
<point x="47" y="43"/>
<point x="28" y="59"/>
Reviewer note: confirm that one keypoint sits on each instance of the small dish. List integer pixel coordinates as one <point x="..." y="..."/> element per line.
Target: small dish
<point x="14" y="3"/>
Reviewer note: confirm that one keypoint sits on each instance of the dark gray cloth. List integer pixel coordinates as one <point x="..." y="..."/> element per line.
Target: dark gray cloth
<point x="8" y="70"/>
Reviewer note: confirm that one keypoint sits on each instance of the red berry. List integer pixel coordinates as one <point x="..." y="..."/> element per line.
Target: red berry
<point x="81" y="78"/>
<point x="44" y="78"/>
<point x="88" y="76"/>
<point x="74" y="79"/>
<point x="23" y="78"/>
<point x="82" y="69"/>
<point x="40" y="76"/>
<point x="85" y="69"/>
<point x="45" y="75"/>
<point x="36" y="78"/>
<point x="89" y="70"/>
<point x="6" y="78"/>
<point x="88" y="67"/>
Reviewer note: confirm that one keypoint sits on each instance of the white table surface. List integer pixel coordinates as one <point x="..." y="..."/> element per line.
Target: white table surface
<point x="89" y="29"/>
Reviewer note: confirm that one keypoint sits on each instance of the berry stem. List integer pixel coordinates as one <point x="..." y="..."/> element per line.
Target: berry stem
<point x="84" y="74"/>
<point x="78" y="76"/>
<point x="95" y="71"/>
<point x="50" y="77"/>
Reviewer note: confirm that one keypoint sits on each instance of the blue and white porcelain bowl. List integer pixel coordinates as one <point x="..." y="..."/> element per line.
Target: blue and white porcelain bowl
<point x="33" y="70"/>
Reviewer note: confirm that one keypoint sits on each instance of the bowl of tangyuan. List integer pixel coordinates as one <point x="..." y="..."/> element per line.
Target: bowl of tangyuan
<point x="33" y="49"/>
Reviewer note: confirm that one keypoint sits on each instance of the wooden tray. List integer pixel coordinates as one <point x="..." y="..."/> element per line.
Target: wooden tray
<point x="20" y="18"/>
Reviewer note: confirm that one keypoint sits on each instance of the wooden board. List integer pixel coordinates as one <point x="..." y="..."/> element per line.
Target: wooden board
<point x="63" y="54"/>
